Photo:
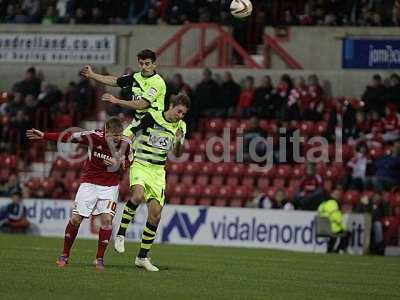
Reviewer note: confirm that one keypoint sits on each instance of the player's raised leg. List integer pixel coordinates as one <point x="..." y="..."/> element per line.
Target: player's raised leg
<point x="71" y="232"/>
<point x="148" y="236"/>
<point x="127" y="216"/>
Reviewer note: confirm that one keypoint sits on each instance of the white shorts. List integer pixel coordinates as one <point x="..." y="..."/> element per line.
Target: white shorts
<point x="93" y="199"/>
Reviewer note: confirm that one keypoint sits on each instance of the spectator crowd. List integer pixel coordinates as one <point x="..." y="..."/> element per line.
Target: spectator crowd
<point x="173" y="12"/>
<point x="369" y="128"/>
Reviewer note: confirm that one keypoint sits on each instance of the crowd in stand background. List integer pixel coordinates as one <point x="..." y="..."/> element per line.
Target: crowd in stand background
<point x="273" y="12"/>
<point x="371" y="122"/>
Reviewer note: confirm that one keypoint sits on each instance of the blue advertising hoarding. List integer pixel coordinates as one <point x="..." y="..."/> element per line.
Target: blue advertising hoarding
<point x="371" y="54"/>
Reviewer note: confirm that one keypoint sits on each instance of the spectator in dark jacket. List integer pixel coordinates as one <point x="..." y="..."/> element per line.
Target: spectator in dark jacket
<point x="341" y="121"/>
<point x="387" y="173"/>
<point x="374" y="95"/>
<point x="230" y="92"/>
<point x="30" y="84"/>
<point x="265" y="101"/>
<point x="393" y="92"/>
<point x="206" y="94"/>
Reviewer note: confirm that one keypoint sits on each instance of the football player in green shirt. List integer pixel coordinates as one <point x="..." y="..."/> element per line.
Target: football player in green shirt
<point x="157" y="133"/>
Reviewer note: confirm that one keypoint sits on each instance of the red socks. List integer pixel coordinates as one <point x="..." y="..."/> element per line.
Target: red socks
<point x="104" y="238"/>
<point x="70" y="234"/>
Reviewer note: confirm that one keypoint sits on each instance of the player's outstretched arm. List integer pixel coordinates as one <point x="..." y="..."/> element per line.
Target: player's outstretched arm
<point x="109" y="80"/>
<point x="34" y="134"/>
<point x="136" y="104"/>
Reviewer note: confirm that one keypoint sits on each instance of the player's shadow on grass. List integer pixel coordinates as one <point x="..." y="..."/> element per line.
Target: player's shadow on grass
<point x="162" y="268"/>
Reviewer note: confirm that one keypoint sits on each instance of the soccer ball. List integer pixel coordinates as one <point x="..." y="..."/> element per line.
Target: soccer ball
<point x="241" y="8"/>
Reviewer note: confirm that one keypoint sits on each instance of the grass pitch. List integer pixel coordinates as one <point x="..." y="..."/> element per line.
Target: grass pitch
<point x="28" y="271"/>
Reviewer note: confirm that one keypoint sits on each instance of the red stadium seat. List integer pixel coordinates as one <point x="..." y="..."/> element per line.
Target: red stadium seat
<point x="191" y="146"/>
<point x="225" y="192"/>
<point x="237" y="169"/>
<point x="194" y="191"/>
<point x="191" y="168"/>
<point x="248" y="181"/>
<point x="60" y="164"/>
<point x="48" y="185"/>
<point x="169" y="190"/>
<point x="174" y="201"/>
<point x="236" y="203"/>
<point x="242" y="192"/>
<point x="187" y="179"/>
<point x="177" y="168"/>
<point x="172" y="179"/>
<point x="215" y="125"/>
<point x="245" y="124"/>
<point x="262" y="183"/>
<point x="217" y="180"/>
<point x="9" y="161"/>
<point x="320" y="128"/>
<point x="33" y="184"/>
<point x="232" y="181"/>
<point x="207" y="168"/>
<point x="218" y="148"/>
<point x="220" y="202"/>
<point x="202" y="180"/>
<point x="284" y="171"/>
<point x="205" y="202"/>
<point x="189" y="201"/>
<point x="210" y="191"/>
<point x="279" y="183"/>
<point x="198" y="136"/>
<point x="221" y="169"/>
<point x="294" y="183"/>
<point x="178" y="190"/>
<point x="232" y="125"/>
<point x="202" y="145"/>
<point x="306" y="128"/>
<point x="333" y="172"/>
<point x="4" y="174"/>
<point x="297" y="171"/>
<point x="352" y="197"/>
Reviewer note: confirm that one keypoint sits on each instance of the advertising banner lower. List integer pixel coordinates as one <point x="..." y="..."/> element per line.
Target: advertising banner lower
<point x="60" y="48"/>
<point x="197" y="225"/>
<point x="371" y="53"/>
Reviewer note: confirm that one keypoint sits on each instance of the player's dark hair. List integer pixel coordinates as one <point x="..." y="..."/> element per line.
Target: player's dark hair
<point x="114" y="124"/>
<point x="147" y="54"/>
<point x="180" y="99"/>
